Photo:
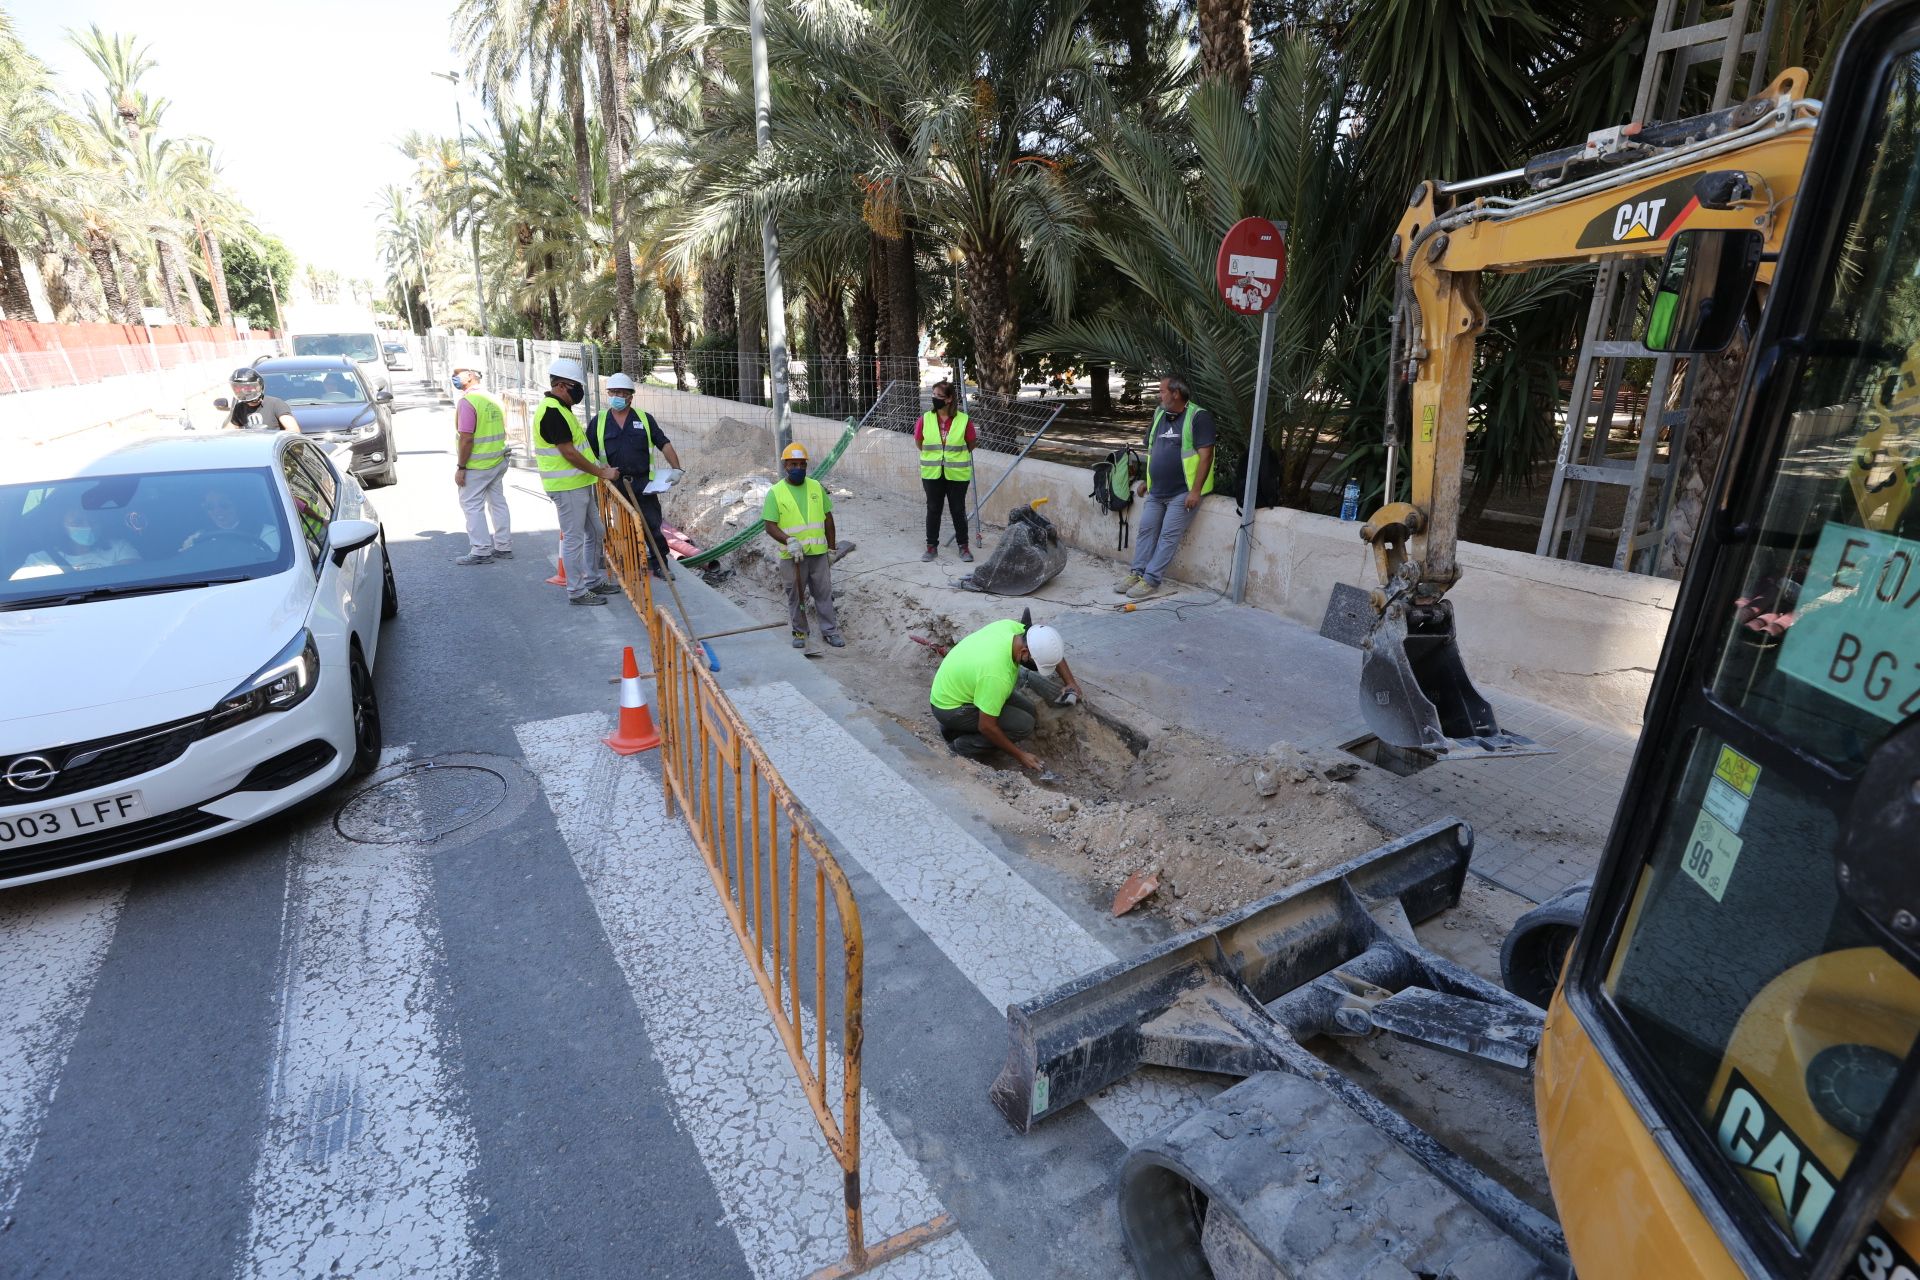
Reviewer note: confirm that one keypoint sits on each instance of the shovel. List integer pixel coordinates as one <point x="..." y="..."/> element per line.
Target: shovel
<point x="666" y="570"/>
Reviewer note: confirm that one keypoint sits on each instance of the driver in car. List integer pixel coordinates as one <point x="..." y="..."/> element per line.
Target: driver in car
<point x="80" y="542"/>
<point x="221" y="517"/>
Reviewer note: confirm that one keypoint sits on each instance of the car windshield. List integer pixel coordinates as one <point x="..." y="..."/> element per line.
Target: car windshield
<point x="396" y="347"/>
<point x="69" y="541"/>
<point x="360" y="346"/>
<point x="315" y="386"/>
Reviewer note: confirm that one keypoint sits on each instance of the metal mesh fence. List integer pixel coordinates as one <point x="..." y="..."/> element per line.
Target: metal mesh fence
<point x="79" y="366"/>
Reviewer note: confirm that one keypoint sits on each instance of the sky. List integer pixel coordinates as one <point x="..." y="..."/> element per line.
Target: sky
<point x="303" y="100"/>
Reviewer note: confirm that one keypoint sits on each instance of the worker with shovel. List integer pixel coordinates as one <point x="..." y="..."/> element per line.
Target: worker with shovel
<point x="974" y="698"/>
<point x="799" y="515"/>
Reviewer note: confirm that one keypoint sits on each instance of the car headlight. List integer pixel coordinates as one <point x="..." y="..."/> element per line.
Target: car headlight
<point x="285" y="681"/>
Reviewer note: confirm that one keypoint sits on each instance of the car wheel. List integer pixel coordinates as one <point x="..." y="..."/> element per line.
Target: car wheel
<point x="389" y="594"/>
<point x="366" y="719"/>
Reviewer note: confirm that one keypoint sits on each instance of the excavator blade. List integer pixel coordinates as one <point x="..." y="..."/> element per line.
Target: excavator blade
<point x="1415" y="693"/>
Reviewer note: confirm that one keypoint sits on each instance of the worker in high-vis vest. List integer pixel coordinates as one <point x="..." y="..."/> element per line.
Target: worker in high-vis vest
<point x="626" y="438"/>
<point x="568" y="471"/>
<point x="1179" y="474"/>
<point x="946" y="438"/>
<point x="480" y="441"/>
<point x="799" y="516"/>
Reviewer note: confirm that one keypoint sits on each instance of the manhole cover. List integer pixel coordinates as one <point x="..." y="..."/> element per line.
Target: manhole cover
<point x="422" y="803"/>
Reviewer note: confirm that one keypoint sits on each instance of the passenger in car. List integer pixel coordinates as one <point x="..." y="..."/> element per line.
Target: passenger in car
<point x="80" y="542"/>
<point x="221" y="515"/>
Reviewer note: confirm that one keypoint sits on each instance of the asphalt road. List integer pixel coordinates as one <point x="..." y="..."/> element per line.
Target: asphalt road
<point x="486" y="1020"/>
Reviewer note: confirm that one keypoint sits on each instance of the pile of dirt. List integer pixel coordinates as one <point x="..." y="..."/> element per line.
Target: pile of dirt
<point x="1217" y="830"/>
<point x="729" y="471"/>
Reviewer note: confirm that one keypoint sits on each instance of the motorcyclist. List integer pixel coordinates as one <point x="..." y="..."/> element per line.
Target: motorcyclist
<point x="253" y="407"/>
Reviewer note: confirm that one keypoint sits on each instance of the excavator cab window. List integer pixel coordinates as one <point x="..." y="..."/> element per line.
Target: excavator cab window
<point x="1766" y="1016"/>
<point x="1702" y="290"/>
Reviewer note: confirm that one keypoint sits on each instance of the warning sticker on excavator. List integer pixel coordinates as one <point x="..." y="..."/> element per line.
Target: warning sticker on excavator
<point x="1737" y="772"/>
<point x="1427" y="416"/>
<point x="1856" y="634"/>
<point x="1726" y="804"/>
<point x="1711" y="852"/>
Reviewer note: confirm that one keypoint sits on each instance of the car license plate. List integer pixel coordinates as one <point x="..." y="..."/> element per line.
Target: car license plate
<point x="62" y="820"/>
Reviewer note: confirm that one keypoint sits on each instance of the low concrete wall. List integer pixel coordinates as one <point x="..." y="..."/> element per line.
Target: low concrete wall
<point x="138" y="402"/>
<point x="1573" y="636"/>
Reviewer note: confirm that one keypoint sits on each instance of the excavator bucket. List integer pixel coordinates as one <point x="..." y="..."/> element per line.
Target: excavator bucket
<point x="1415" y="693"/>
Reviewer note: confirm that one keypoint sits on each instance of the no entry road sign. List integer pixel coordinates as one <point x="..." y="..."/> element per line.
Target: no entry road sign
<point x="1252" y="265"/>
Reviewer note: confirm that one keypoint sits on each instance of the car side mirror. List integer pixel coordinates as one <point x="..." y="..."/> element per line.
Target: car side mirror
<point x="344" y="537"/>
<point x="383" y="396"/>
<point x="1702" y="291"/>
<point x="223" y="403"/>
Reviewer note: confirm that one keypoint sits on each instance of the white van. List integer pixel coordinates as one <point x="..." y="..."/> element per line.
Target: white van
<point x="340" y="331"/>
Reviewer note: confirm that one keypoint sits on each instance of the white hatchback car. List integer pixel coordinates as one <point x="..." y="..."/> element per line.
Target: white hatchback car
<point x="188" y="628"/>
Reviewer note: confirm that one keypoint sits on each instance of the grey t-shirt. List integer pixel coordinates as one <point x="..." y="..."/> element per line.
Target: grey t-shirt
<point x="1165" y="475"/>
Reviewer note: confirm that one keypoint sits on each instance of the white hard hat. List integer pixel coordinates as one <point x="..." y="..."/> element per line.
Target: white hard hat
<point x="619" y="382"/>
<point x="569" y="369"/>
<point x="1045" y="647"/>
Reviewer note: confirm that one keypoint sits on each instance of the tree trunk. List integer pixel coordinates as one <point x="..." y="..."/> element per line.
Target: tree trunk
<point x="1099" y="387"/>
<point x="613" y="51"/>
<point x="553" y="303"/>
<point x="170" y="286"/>
<point x="717" y="314"/>
<point x="573" y="73"/>
<point x="216" y="275"/>
<point x="100" y="250"/>
<point x="1225" y="49"/>
<point x="827" y="342"/>
<point x="866" y="328"/>
<point x="752" y="309"/>
<point x="14" y="295"/>
<point x="673" y="294"/>
<point x="992" y="320"/>
<point x="195" y="309"/>
<point x="903" y="305"/>
<point x="1717" y="379"/>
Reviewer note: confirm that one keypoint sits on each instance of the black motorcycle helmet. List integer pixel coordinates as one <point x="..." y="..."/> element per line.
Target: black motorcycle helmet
<point x="247" y="385"/>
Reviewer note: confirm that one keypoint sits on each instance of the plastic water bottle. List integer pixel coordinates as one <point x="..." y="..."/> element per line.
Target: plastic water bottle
<point x="1350" y="500"/>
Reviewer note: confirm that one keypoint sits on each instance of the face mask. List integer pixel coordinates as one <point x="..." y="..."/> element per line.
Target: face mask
<point x="616" y="402"/>
<point x="458" y="386"/>
<point x="82" y="535"/>
<point x="565" y="394"/>
<point x="938" y="404"/>
<point x="796" y="475"/>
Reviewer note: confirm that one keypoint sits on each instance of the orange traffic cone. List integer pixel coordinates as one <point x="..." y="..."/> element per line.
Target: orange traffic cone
<point x="559" y="579"/>
<point x="636" y="732"/>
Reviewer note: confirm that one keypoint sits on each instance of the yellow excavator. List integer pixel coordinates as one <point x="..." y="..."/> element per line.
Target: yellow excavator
<point x="1726" y="1076"/>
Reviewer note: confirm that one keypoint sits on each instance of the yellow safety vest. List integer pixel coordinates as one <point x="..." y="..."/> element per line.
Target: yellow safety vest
<point x="646" y="425"/>
<point x="951" y="457"/>
<point x="557" y="475"/>
<point x="1189" y="456"/>
<point x="489" y="432"/>
<point x="809" y="533"/>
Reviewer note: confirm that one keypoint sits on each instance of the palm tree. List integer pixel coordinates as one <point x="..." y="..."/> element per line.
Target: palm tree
<point x="122" y="61"/>
<point x="33" y="131"/>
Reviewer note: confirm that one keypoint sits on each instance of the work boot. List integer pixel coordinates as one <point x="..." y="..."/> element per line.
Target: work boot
<point x="604" y="589"/>
<point x="835" y="639"/>
<point x="799" y="639"/>
<point x="971" y="745"/>
<point x="589" y="598"/>
<point x="1141" y="589"/>
<point x="471" y="558"/>
<point x="966" y="556"/>
<point x="1127" y="584"/>
<point x="927" y="556"/>
<point x="502" y="553"/>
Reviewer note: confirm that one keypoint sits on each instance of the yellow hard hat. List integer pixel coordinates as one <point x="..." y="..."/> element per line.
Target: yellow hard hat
<point x="795" y="452"/>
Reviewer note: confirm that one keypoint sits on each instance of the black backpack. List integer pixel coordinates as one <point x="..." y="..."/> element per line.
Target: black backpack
<point x="1113" y="479"/>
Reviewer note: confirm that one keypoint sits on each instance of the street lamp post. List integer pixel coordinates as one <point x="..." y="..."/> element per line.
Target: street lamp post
<point x="466" y="180"/>
<point x="426" y="291"/>
<point x="769" y="235"/>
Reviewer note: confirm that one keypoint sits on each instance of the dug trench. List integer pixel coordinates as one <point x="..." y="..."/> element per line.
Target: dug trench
<point x="1214" y="827"/>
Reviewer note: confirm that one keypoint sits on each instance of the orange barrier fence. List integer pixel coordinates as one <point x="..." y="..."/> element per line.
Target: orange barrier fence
<point x="782" y="890"/>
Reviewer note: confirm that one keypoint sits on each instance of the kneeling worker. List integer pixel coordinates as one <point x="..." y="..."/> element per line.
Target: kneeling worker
<point x="799" y="515"/>
<point x="973" y="693"/>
